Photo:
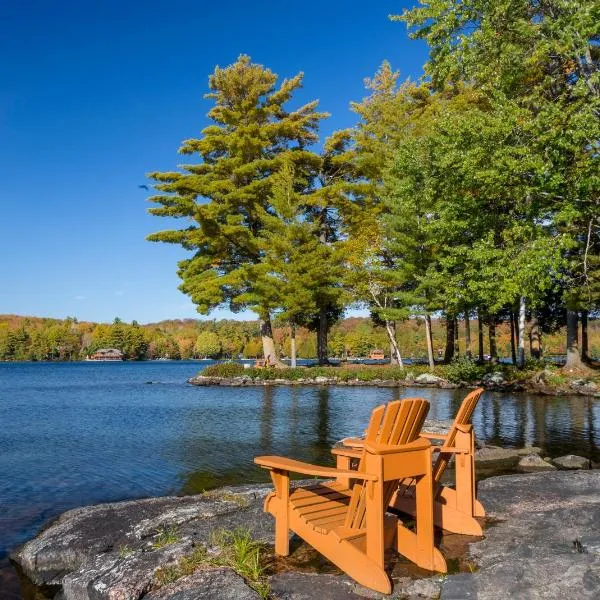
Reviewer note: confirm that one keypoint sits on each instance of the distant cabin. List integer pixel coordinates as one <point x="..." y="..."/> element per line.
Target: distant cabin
<point x="377" y="354"/>
<point x="106" y="354"/>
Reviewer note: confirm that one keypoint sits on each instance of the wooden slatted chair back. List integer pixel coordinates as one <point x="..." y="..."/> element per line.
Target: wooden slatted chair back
<point x="463" y="417"/>
<point x="397" y="423"/>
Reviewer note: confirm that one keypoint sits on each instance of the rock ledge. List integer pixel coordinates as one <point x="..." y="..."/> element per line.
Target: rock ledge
<point x="541" y="541"/>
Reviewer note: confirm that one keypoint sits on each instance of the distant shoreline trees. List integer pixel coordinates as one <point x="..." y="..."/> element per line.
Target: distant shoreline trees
<point x="37" y="339"/>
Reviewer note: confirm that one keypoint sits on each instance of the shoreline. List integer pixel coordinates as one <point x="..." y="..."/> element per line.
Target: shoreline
<point x="541" y="389"/>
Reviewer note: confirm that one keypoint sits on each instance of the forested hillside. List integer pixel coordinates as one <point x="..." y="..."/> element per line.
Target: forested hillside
<point x="35" y="338"/>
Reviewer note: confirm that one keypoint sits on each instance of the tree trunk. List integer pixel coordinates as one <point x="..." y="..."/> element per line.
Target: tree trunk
<point x="293" y="345"/>
<point x="480" y="335"/>
<point x="521" y="347"/>
<point x="269" y="351"/>
<point x="396" y="357"/>
<point x="429" y="341"/>
<point x="449" y="352"/>
<point x="573" y="356"/>
<point x="322" y="337"/>
<point x="456" y="338"/>
<point x="513" y="350"/>
<point x="585" y="354"/>
<point x="535" y="347"/>
<point x="492" y="336"/>
<point x="468" y="352"/>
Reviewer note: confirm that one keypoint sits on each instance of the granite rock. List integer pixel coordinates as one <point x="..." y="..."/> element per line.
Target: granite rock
<point x="529" y="550"/>
<point x="571" y="461"/>
<point x="532" y="463"/>
<point x="428" y="379"/>
<point x="211" y="584"/>
<point x="541" y="542"/>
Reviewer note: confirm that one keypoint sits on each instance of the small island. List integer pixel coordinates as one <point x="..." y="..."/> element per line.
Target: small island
<point x="550" y="380"/>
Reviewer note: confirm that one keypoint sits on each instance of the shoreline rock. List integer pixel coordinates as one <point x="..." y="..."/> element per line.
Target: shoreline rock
<point x="541" y="541"/>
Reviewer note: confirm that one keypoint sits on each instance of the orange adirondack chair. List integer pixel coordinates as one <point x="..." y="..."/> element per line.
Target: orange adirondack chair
<point x="346" y="519"/>
<point x="455" y="508"/>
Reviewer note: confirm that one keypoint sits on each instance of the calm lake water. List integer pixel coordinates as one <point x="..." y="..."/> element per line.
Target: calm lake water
<point x="81" y="433"/>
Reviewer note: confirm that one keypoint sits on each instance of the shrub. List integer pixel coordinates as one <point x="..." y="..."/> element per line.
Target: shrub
<point x="463" y="369"/>
<point x="226" y="369"/>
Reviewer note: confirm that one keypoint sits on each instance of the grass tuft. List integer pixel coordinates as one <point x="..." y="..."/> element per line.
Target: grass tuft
<point x="125" y="551"/>
<point x="166" y="536"/>
<point x="237" y="550"/>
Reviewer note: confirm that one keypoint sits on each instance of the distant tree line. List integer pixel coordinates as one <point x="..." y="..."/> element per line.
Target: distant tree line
<point x="38" y="339"/>
<point x="473" y="193"/>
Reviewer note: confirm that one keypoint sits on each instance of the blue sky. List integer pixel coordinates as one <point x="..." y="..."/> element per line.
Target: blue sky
<point x="94" y="95"/>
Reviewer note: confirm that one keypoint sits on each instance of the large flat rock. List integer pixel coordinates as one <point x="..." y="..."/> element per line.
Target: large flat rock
<point x="111" y="551"/>
<point x="542" y="541"/>
<point x="530" y="549"/>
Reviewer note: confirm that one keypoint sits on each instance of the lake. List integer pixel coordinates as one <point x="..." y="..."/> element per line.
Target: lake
<point x="82" y="433"/>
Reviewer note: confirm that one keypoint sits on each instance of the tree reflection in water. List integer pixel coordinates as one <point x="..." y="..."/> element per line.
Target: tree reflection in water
<point x="303" y="422"/>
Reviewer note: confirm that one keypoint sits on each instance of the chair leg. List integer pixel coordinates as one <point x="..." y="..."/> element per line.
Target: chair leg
<point x="280" y="510"/>
<point x="375" y="523"/>
<point x="429" y="556"/>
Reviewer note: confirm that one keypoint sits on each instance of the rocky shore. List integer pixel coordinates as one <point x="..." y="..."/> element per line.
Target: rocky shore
<point x="492" y="381"/>
<point x="541" y="541"/>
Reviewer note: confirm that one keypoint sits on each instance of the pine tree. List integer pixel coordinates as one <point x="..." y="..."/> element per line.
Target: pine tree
<point x="226" y="195"/>
<point x="297" y="268"/>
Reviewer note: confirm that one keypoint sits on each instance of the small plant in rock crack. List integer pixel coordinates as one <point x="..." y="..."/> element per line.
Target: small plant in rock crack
<point x="165" y="536"/>
<point x="242" y="554"/>
<point x="125" y="551"/>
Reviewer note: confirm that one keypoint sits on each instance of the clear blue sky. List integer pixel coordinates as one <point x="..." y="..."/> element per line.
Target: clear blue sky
<point x="94" y="95"/>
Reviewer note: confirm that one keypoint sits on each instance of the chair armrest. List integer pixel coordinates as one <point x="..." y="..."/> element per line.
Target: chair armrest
<point x="418" y="444"/>
<point x="349" y="452"/>
<point x="280" y="463"/>
<point x="451" y="450"/>
<point x="433" y="436"/>
<point x="353" y="442"/>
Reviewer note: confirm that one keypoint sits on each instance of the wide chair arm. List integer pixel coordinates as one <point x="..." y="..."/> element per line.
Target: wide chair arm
<point x="347" y="452"/>
<point x="433" y="436"/>
<point x="383" y="449"/>
<point x="353" y="442"/>
<point x="279" y="463"/>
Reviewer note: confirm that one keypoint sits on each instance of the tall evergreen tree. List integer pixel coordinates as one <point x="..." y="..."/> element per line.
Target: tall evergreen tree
<point x="226" y="195"/>
<point x="301" y="271"/>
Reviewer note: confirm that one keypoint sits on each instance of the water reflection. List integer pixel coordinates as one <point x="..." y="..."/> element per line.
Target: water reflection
<point x="266" y="420"/>
<point x="304" y="422"/>
<point x="322" y="439"/>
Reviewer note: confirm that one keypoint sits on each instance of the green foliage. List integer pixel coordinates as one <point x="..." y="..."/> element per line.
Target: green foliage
<point x="338" y="373"/>
<point x="185" y="566"/>
<point x="165" y="536"/>
<point x="241" y="553"/>
<point x="226" y="369"/>
<point x="227" y="195"/>
<point x="526" y="153"/>
<point x="208" y="345"/>
<point x="463" y="369"/>
<point x="125" y="551"/>
<point x="235" y="549"/>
